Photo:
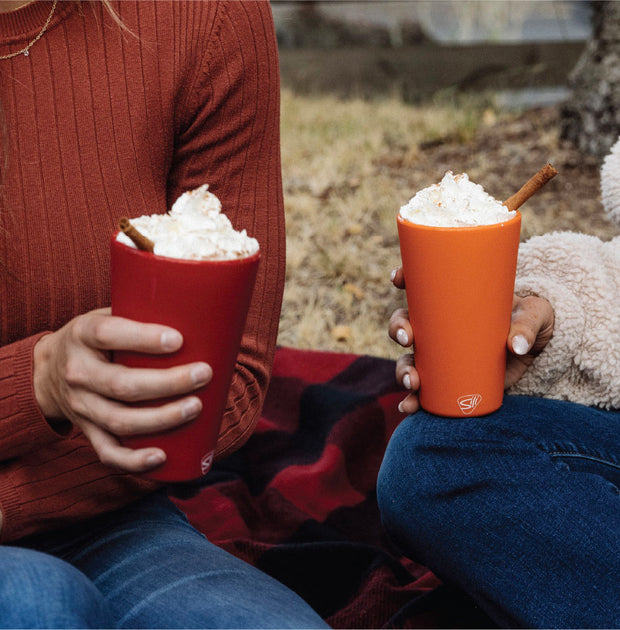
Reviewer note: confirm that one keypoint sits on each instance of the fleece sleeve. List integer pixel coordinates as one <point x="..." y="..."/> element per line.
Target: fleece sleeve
<point x="580" y="276"/>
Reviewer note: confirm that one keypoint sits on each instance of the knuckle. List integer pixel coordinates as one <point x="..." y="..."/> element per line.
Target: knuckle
<point x="118" y="425"/>
<point x="106" y="456"/>
<point x="405" y="360"/>
<point x="74" y="374"/>
<point x="400" y="314"/>
<point x="529" y="300"/>
<point x="75" y="403"/>
<point x="99" y="332"/>
<point x="403" y="366"/>
<point x="178" y="380"/>
<point x="122" y="389"/>
<point x="528" y="311"/>
<point x="78" y="326"/>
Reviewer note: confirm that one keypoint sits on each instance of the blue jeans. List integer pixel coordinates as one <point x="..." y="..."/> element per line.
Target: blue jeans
<point x="520" y="509"/>
<point x="141" y="567"/>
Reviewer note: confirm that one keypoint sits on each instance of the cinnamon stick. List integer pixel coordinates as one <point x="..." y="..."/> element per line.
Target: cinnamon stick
<point x="530" y="187"/>
<point x="140" y="241"/>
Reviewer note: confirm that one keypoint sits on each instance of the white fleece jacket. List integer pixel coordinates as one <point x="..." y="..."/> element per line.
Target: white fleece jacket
<point x="580" y="275"/>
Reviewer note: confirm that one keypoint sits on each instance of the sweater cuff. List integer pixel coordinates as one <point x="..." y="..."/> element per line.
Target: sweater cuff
<point x="24" y="378"/>
<point x="559" y="354"/>
<point x="24" y="425"/>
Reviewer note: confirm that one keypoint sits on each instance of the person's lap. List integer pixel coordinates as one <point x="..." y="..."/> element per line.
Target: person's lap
<point x="520" y="508"/>
<point x="145" y="566"/>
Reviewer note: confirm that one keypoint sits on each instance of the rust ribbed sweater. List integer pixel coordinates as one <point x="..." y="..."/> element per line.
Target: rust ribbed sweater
<point x="103" y="123"/>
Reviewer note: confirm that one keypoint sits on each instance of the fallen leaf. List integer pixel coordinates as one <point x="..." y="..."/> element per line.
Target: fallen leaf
<point x="354" y="290"/>
<point x="341" y="333"/>
<point x="354" y="229"/>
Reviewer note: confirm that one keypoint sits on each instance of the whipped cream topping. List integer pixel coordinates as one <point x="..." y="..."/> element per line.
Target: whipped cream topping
<point x="455" y="202"/>
<point x="194" y="229"/>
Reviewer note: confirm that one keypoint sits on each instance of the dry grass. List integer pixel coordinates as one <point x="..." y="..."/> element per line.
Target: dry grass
<point x="349" y="165"/>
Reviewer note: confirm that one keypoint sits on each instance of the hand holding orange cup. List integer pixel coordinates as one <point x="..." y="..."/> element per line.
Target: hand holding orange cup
<point x="459" y="282"/>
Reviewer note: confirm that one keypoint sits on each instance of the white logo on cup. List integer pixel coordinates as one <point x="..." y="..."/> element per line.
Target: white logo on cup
<point x="467" y="404"/>
<point x="205" y="462"/>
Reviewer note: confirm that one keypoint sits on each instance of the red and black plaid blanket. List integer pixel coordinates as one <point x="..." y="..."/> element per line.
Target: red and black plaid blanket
<point x="298" y="500"/>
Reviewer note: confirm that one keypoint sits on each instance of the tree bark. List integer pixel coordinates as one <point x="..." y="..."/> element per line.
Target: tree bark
<point x="590" y="118"/>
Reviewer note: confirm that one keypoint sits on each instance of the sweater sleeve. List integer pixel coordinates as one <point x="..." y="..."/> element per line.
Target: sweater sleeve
<point x="228" y="137"/>
<point x="23" y="427"/>
<point x="580" y="276"/>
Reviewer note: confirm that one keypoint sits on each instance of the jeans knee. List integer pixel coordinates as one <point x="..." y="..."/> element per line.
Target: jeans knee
<point x="407" y="482"/>
<point x="40" y="591"/>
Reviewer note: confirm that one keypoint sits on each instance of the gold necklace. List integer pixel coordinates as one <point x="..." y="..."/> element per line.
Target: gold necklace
<point x="26" y="50"/>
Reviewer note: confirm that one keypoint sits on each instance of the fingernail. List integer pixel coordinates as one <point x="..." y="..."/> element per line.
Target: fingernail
<point x="155" y="459"/>
<point x="520" y="345"/>
<point x="201" y="374"/>
<point x="393" y="274"/>
<point x="171" y="340"/>
<point x="407" y="381"/>
<point x="191" y="408"/>
<point x="402" y="337"/>
<point x="400" y="406"/>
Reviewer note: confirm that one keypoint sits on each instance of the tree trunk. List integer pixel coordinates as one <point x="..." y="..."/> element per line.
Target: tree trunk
<point x="590" y="118"/>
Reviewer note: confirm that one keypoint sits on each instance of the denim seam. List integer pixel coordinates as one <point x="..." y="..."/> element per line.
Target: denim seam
<point x="582" y="456"/>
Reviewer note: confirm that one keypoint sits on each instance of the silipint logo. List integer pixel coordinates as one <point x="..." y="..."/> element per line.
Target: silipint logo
<point x="467" y="404"/>
<point x="205" y="462"/>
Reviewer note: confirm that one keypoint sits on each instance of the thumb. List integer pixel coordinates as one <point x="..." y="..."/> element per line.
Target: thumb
<point x="531" y="325"/>
<point x="518" y="342"/>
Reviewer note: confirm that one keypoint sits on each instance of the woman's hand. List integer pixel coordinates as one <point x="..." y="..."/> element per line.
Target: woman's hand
<point x="75" y="379"/>
<point x="406" y="374"/>
<point x="530" y="330"/>
<point x="401" y="332"/>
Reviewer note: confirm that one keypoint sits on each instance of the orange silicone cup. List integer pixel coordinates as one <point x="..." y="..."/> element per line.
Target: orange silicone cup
<point x="459" y="286"/>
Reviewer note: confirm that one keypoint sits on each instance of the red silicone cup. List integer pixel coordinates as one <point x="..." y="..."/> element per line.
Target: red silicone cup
<point x="207" y="302"/>
<point x="459" y="284"/>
